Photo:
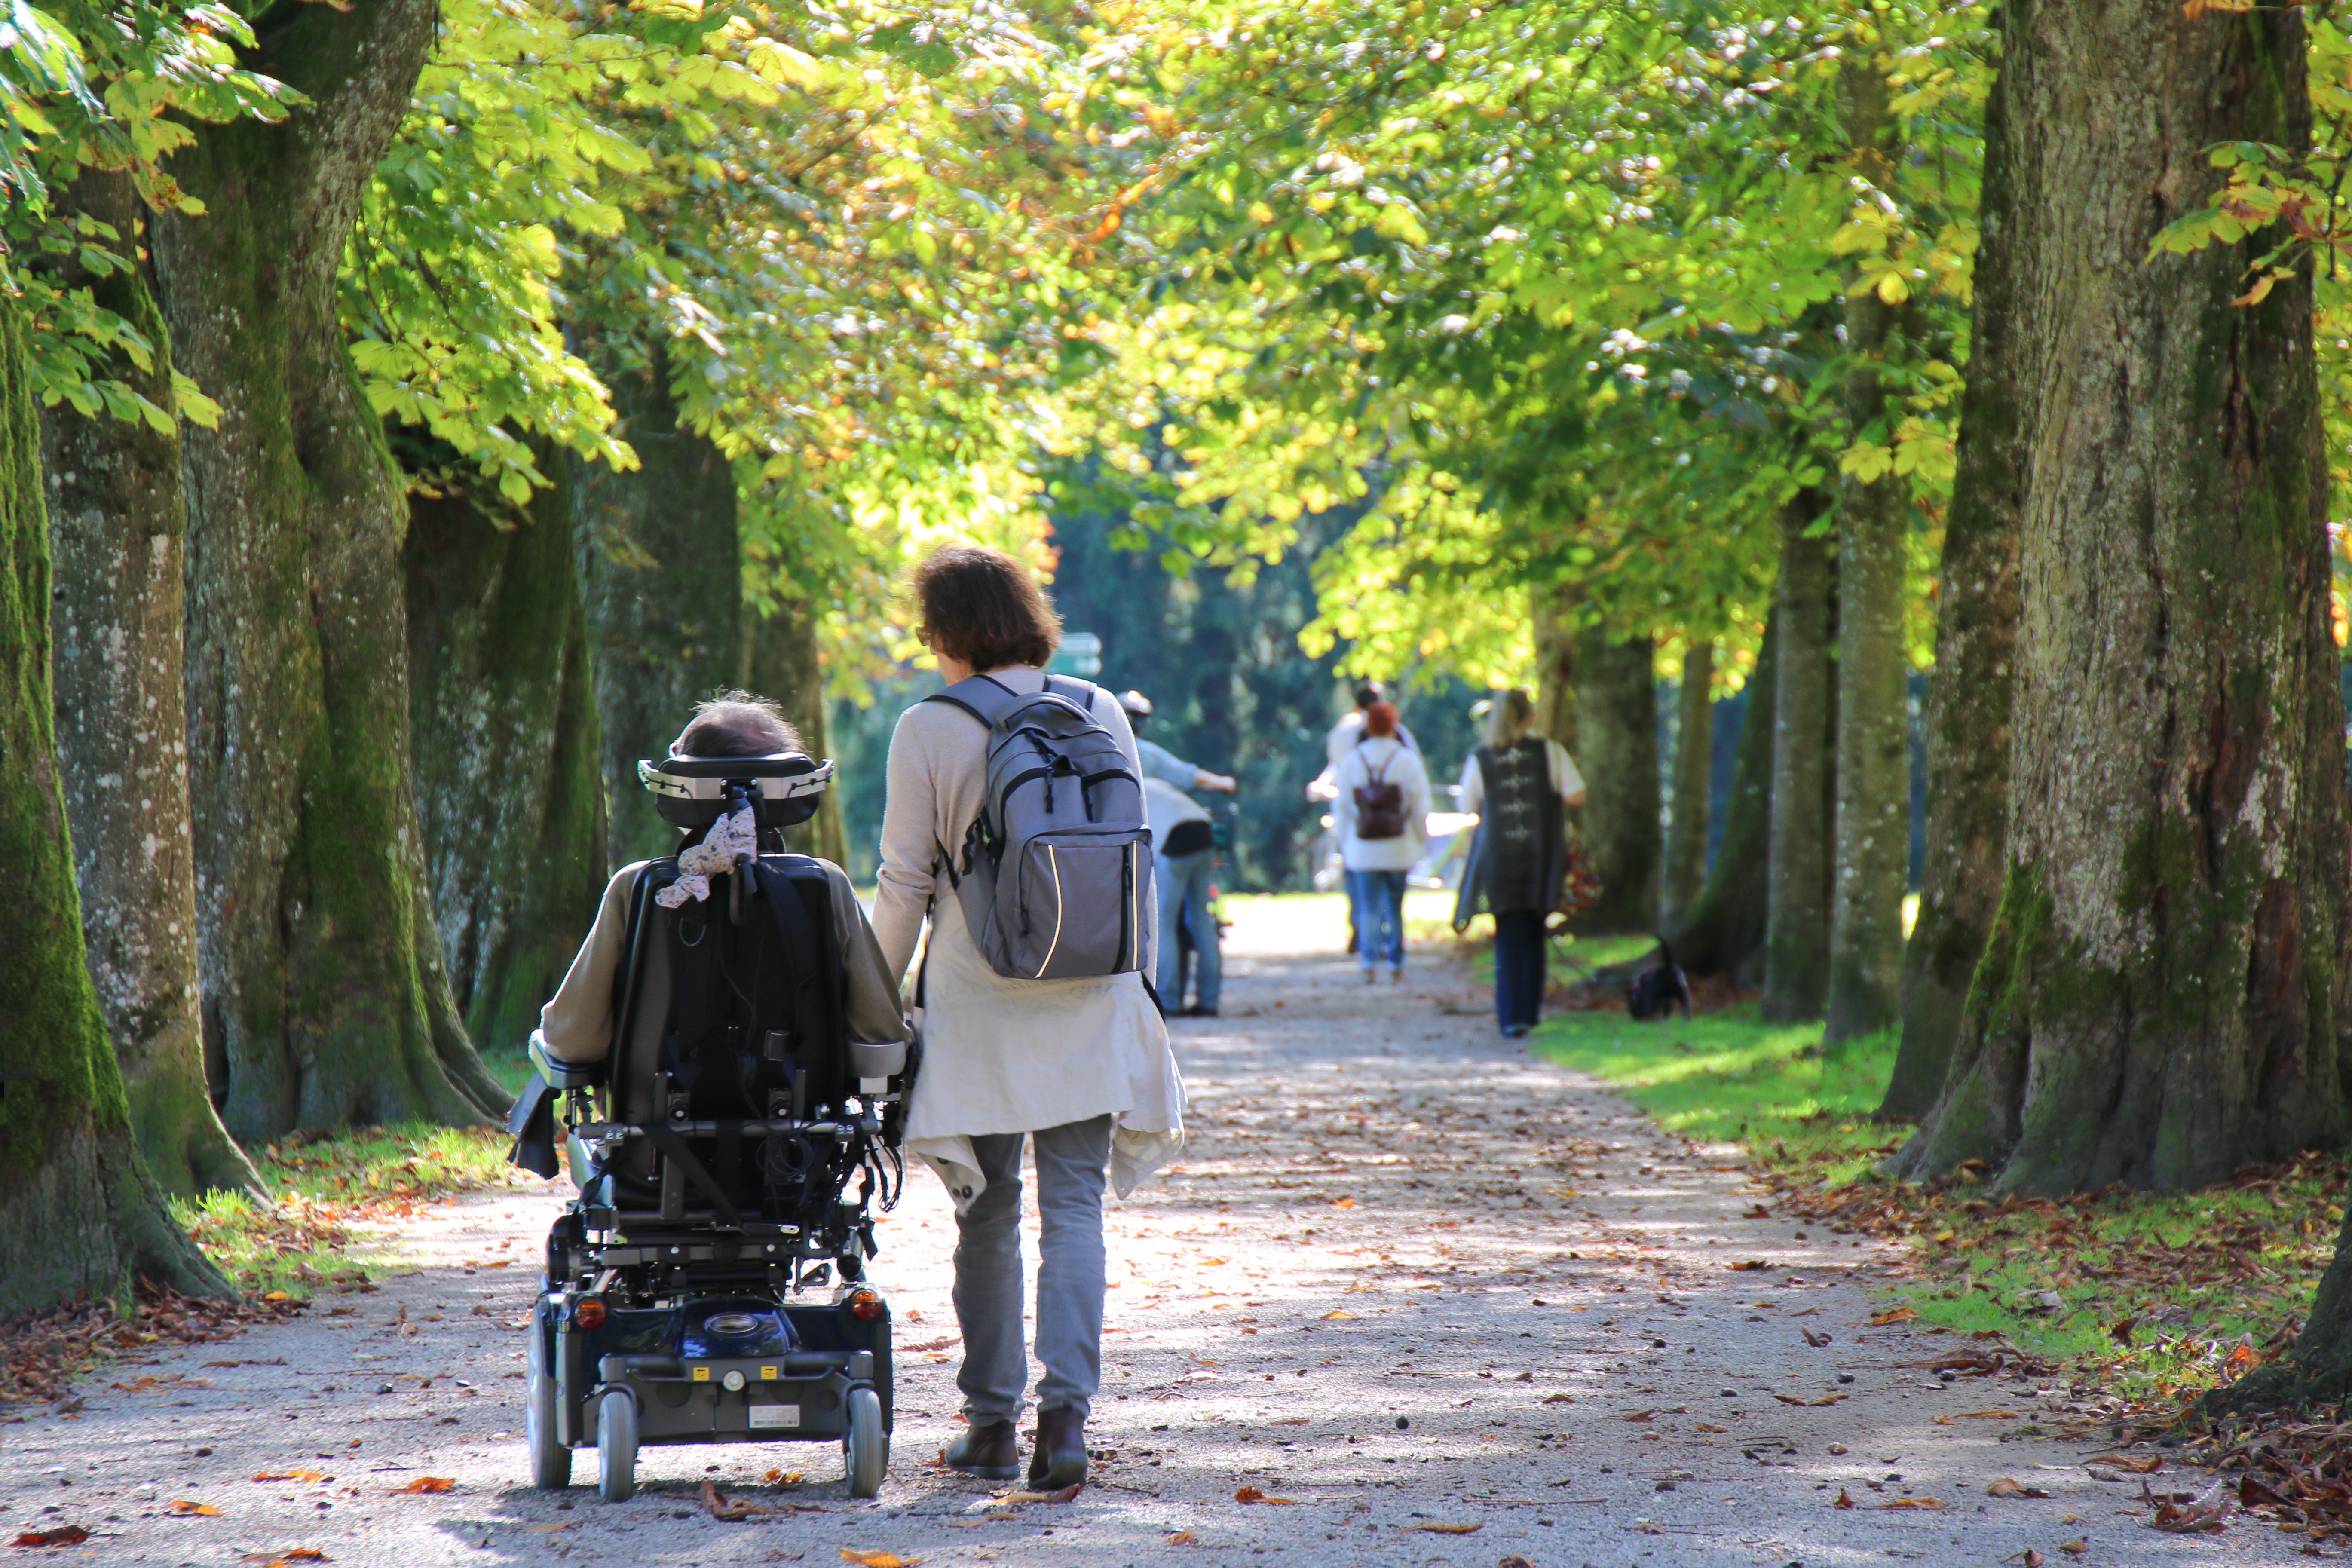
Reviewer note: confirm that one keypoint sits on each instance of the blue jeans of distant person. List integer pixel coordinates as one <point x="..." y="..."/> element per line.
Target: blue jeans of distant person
<point x="1184" y="895"/>
<point x="1379" y="898"/>
<point x="1071" y="1161"/>
<point x="1520" y="954"/>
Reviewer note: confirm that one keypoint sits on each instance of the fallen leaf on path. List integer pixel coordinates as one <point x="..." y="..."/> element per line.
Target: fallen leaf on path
<point x="1709" y="1426"/>
<point x="1893" y="1315"/>
<point x="2005" y="1487"/>
<point x="1063" y="1495"/>
<point x="2138" y="1464"/>
<point x="787" y="1478"/>
<point x="2208" y="1510"/>
<point x="1814" y="1340"/>
<point x="1558" y="1399"/>
<point x="2077" y="1547"/>
<point x="1343" y="1203"/>
<point x="1842" y="1500"/>
<point x="293" y="1475"/>
<point x="276" y="1296"/>
<point x="1916" y="1502"/>
<point x="188" y="1508"/>
<point x="1641" y="1416"/>
<point x="1334" y="1313"/>
<point x="1978" y="1415"/>
<point x="300" y="1554"/>
<point x="876" y="1558"/>
<point x="1251" y="1494"/>
<point x="2070" y="1518"/>
<point x="1435" y="1528"/>
<point x="720" y="1506"/>
<point x="428" y="1484"/>
<point x="1183" y="1538"/>
<point x="2031" y="1558"/>
<point x="1746" y="1264"/>
<point x="63" y="1535"/>
<point x="546" y="1529"/>
<point x="1809" y="1404"/>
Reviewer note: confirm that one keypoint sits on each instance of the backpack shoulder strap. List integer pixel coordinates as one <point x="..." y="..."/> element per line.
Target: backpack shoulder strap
<point x="981" y="696"/>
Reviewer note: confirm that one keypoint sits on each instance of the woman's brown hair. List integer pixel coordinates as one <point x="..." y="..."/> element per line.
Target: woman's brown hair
<point x="983" y="607"/>
<point x="1380" y="722"/>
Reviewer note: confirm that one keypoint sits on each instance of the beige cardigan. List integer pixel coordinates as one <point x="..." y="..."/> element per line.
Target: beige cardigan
<point x="1003" y="1055"/>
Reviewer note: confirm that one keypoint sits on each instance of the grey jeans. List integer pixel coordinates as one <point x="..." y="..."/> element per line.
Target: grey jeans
<point x="1071" y="1161"/>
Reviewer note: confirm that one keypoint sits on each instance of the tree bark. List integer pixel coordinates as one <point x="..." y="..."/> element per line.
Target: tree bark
<point x="510" y="796"/>
<point x="1617" y="752"/>
<point x="78" y="1211"/>
<point x="1796" y="941"/>
<point x="1873" y="855"/>
<point x="2160" y="999"/>
<point x="663" y="578"/>
<point x="322" y="967"/>
<point x="1724" y="932"/>
<point x="782" y="661"/>
<point x="1968" y="693"/>
<point x="1684" y="867"/>
<point x="117" y="532"/>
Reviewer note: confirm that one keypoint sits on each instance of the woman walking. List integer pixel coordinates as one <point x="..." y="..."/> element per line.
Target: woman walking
<point x="1382" y="815"/>
<point x="1517" y="785"/>
<point x="1081" y="1067"/>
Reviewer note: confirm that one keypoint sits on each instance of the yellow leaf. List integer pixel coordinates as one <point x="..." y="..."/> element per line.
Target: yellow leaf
<point x="187" y="1507"/>
<point x="1335" y="1314"/>
<point x="876" y="1558"/>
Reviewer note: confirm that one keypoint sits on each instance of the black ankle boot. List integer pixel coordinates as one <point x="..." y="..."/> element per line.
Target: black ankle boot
<point x="1061" y="1457"/>
<point x="991" y="1450"/>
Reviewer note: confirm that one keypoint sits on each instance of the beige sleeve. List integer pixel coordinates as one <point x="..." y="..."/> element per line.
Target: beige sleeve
<point x="874" y="1017"/>
<point x="578" y="1019"/>
<point x="910" y="846"/>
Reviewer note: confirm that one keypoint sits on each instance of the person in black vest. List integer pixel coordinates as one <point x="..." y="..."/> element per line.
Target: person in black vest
<point x="1518" y="785"/>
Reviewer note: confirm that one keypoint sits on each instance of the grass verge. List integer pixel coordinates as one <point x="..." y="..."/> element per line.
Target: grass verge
<point x="2149" y="1300"/>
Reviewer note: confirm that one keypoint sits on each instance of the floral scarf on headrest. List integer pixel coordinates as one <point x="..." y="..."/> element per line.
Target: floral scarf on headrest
<point x="732" y="837"/>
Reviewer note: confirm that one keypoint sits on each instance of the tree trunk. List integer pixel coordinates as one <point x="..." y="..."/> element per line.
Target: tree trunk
<point x="1796" y="941"/>
<point x="1873" y="819"/>
<point x="322" y="967"/>
<point x="1555" y="692"/>
<point x="78" y="1211"/>
<point x="1969" y="693"/>
<point x="1724" y="932"/>
<point x="662" y="567"/>
<point x="509" y="791"/>
<point x="1684" y="867"/>
<point x="2159" y="1001"/>
<point x="118" y="535"/>
<point x="782" y="662"/>
<point x="1617" y="752"/>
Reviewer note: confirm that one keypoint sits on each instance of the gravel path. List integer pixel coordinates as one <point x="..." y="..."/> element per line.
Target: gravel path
<point x="1454" y="1305"/>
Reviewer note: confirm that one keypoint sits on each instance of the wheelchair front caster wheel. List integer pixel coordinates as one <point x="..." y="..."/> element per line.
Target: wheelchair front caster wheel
<point x="550" y="1461"/>
<point x="616" y="1445"/>
<point x="865" y="1446"/>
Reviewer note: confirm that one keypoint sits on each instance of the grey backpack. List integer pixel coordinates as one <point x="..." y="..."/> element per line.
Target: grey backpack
<point x="1054" y="874"/>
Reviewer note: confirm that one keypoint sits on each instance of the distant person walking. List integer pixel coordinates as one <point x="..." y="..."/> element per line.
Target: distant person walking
<point x="1519" y="787"/>
<point x="1383" y="815"/>
<point x="1338" y="743"/>
<point x="1184" y="848"/>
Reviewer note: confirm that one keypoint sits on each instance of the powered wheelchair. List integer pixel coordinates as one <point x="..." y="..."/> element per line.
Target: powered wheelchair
<point x="707" y="1283"/>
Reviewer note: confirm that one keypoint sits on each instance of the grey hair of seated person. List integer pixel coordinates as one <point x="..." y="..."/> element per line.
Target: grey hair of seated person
<point x="736" y="724"/>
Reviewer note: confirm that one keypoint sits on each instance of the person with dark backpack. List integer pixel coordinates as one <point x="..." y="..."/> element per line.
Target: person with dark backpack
<point x="1014" y="824"/>
<point x="1382" y="815"/>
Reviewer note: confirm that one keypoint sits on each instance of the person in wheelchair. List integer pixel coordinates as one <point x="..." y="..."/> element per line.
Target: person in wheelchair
<point x="732" y="1066"/>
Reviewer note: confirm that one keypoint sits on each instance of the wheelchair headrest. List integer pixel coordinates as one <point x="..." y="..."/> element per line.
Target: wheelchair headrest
<point x="690" y="792"/>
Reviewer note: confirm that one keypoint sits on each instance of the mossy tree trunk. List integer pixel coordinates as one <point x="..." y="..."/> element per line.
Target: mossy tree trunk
<point x="322" y="973"/>
<point x="2160" y="1000"/>
<point x="1968" y="693"/>
<point x="1796" y="940"/>
<point x="78" y="1211"/>
<point x="782" y="660"/>
<point x="1871" y="861"/>
<point x="662" y="573"/>
<point x="508" y="789"/>
<point x="1724" y="931"/>
<point x="1617" y="752"/>
<point x="1684" y="869"/>
<point x="118" y="533"/>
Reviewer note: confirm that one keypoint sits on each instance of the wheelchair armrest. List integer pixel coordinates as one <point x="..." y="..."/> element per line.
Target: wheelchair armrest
<point x="558" y="1073"/>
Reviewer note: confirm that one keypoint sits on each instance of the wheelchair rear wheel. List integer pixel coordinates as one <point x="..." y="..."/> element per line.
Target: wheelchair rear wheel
<point x="550" y="1461"/>
<point x="865" y="1446"/>
<point x="616" y="1445"/>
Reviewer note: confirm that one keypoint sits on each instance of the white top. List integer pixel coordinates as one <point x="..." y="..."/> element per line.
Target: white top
<point x="1391" y="761"/>
<point x="1565" y="779"/>
<point x="1343" y="736"/>
<point x="1001" y="1054"/>
<point x="1165" y="805"/>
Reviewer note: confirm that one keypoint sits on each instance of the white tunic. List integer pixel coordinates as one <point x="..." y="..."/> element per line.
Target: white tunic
<point x="1003" y="1055"/>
